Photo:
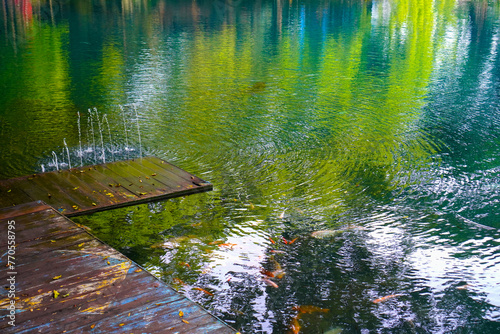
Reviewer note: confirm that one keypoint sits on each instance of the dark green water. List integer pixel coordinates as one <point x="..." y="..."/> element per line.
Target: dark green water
<point x="379" y="119"/>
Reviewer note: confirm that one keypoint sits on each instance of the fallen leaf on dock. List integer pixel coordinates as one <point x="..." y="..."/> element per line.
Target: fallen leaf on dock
<point x="55" y="294"/>
<point x="181" y="314"/>
<point x="56" y="277"/>
<point x="137" y="270"/>
<point x="383" y="299"/>
<point x="185" y="321"/>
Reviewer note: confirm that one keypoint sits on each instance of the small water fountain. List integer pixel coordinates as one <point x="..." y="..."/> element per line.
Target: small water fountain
<point x="67" y="151"/>
<point x="105" y="118"/>
<point x="54" y="161"/>
<point x="138" y="131"/>
<point x="125" y="129"/>
<point x="80" y="151"/>
<point x="92" y="150"/>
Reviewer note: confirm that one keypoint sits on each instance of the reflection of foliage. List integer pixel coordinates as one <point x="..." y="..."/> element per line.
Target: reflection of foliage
<point x="135" y="229"/>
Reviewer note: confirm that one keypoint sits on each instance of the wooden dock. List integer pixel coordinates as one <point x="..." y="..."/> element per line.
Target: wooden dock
<point x="89" y="189"/>
<point x="67" y="281"/>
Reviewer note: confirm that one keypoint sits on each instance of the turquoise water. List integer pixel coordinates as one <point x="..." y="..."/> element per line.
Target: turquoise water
<point x="366" y="132"/>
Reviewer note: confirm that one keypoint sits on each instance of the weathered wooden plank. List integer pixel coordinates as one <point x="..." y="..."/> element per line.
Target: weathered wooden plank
<point x="103" y="183"/>
<point x="10" y="195"/>
<point x="95" y="192"/>
<point x="164" y="176"/>
<point x="55" y="228"/>
<point x="140" y="182"/>
<point x="100" y="290"/>
<point x="174" y="169"/>
<point x="95" y="188"/>
<point x="23" y="209"/>
<point x="49" y="193"/>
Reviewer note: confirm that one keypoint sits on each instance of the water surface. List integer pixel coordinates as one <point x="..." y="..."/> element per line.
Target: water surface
<point x="378" y="120"/>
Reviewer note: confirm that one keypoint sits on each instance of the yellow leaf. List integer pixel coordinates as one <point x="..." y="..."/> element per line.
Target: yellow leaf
<point x="57" y="277"/>
<point x="137" y="270"/>
<point x="9" y="190"/>
<point x="75" y="188"/>
<point x="94" y="204"/>
<point x="92" y="326"/>
<point x="181" y="314"/>
<point x="75" y="207"/>
<point x="80" y="245"/>
<point x="52" y="241"/>
<point x="55" y="294"/>
<point x="185" y="321"/>
<point x="66" y="295"/>
<point x="121" y="325"/>
<point x="108" y="262"/>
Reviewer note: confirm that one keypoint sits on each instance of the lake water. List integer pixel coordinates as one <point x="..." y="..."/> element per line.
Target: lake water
<point x="354" y="149"/>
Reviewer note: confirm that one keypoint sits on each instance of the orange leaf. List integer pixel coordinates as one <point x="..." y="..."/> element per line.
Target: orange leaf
<point x="185" y="321"/>
<point x="272" y="241"/>
<point x="291" y="242"/>
<point x="181" y="314"/>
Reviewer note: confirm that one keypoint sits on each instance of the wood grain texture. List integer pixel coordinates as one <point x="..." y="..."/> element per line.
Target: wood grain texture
<point x="99" y="290"/>
<point x="90" y="189"/>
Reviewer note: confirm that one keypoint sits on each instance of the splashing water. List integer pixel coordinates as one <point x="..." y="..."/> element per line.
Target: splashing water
<point x="103" y="152"/>
<point x="125" y="129"/>
<point x="138" y="131"/>
<point x="105" y="118"/>
<point x="80" y="152"/>
<point x="67" y="152"/>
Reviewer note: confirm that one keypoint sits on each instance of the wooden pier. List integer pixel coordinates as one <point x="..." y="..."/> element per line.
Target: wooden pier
<point x="64" y="280"/>
<point x="89" y="189"/>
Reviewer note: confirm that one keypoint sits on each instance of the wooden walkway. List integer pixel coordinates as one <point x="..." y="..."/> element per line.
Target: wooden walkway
<point x="67" y="281"/>
<point x="95" y="188"/>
